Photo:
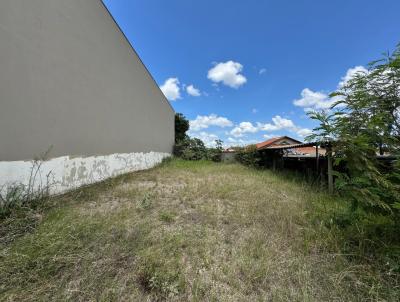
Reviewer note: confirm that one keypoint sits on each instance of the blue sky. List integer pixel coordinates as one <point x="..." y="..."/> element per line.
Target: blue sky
<point x="244" y="71"/>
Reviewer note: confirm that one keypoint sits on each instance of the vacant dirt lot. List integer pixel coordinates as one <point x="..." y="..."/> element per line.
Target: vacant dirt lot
<point x="185" y="231"/>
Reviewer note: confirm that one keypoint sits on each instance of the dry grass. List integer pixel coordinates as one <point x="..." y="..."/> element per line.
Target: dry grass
<point x="188" y="231"/>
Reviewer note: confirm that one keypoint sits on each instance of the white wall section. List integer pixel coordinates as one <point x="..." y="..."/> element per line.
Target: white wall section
<point x="66" y="173"/>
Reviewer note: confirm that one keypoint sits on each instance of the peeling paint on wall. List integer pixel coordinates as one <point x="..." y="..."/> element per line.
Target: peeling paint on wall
<point x="66" y="173"/>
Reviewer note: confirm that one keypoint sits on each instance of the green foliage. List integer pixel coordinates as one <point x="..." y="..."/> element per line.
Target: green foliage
<point x="325" y="132"/>
<point x="193" y="148"/>
<point x="186" y="147"/>
<point x="18" y="196"/>
<point x="190" y="149"/>
<point x="366" y="122"/>
<point x="181" y="126"/>
<point x="215" y="154"/>
<point x="248" y="156"/>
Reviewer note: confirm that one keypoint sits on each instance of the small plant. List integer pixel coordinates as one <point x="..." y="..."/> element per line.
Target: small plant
<point x="167" y="217"/>
<point x="158" y="277"/>
<point x="145" y="202"/>
<point x="19" y="195"/>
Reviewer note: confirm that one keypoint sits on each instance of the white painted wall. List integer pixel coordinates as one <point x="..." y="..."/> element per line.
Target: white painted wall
<point x="67" y="173"/>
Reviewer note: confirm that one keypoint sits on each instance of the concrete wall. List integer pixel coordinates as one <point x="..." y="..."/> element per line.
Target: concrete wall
<point x="70" y="79"/>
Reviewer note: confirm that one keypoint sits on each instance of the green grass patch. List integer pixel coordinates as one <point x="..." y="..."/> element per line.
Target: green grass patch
<point x="198" y="231"/>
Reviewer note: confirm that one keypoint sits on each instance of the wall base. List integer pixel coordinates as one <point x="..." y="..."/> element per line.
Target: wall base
<point x="67" y="173"/>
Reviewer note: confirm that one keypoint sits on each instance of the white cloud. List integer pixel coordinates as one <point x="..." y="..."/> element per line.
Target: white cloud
<point x="314" y="100"/>
<point x="191" y="90"/>
<point x="317" y="100"/>
<point x="207" y="138"/>
<point x="228" y="73"/>
<point x="280" y="123"/>
<point x="244" y="127"/>
<point x="268" y="136"/>
<point x="303" y="132"/>
<point x="351" y="73"/>
<point x="239" y="142"/>
<point x="171" y="89"/>
<point x="203" y="122"/>
<point x="262" y="71"/>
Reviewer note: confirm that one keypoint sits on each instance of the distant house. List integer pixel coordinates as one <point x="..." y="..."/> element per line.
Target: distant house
<point x="297" y="149"/>
<point x="70" y="79"/>
<point x="228" y="155"/>
<point x="277" y="141"/>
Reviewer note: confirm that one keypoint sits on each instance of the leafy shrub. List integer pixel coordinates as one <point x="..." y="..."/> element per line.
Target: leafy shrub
<point x="215" y="154"/>
<point x="248" y="156"/>
<point x="190" y="149"/>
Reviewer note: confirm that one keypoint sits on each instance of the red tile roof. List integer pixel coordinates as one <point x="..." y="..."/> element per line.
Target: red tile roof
<point x="273" y="141"/>
<point x="268" y="142"/>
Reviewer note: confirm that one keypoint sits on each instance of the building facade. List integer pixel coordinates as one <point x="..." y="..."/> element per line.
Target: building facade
<point x="71" y="83"/>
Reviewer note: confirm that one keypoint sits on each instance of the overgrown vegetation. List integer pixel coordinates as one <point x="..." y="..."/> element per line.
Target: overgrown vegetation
<point x="365" y="122"/>
<point x="20" y="197"/>
<point x="200" y="231"/>
<point x="248" y="156"/>
<point x="193" y="148"/>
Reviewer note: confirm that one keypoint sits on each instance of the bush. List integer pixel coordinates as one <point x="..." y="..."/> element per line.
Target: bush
<point x="215" y="154"/>
<point x="190" y="149"/>
<point x="249" y="156"/>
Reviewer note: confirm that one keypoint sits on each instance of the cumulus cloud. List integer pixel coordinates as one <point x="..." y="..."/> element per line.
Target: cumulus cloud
<point x="280" y="123"/>
<point x="207" y="138"/>
<point x="239" y="142"/>
<point x="205" y="121"/>
<point x="303" y="132"/>
<point x="171" y="89"/>
<point x="229" y="73"/>
<point x="242" y="128"/>
<point x="351" y="73"/>
<point x="262" y="71"/>
<point x="318" y="100"/>
<point x="314" y="100"/>
<point x="191" y="90"/>
<point x="268" y="136"/>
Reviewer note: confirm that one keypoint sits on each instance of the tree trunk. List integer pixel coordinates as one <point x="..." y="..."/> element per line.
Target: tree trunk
<point x="330" y="169"/>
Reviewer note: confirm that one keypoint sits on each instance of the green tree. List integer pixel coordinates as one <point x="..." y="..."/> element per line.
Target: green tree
<point x="194" y="149"/>
<point x="215" y="154"/>
<point x="366" y="122"/>
<point x="181" y="127"/>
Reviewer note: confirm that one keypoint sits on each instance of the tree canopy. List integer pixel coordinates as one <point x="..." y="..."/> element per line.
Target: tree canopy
<point x="363" y="123"/>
